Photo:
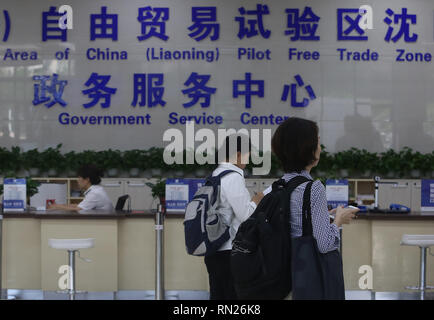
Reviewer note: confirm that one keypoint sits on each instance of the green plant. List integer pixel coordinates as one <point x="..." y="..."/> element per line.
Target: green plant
<point x="344" y="160"/>
<point x="183" y="166"/>
<point x="134" y="159"/>
<point x="155" y="158"/>
<point x="207" y="166"/>
<point x="52" y="159"/>
<point x="368" y="161"/>
<point x="109" y="159"/>
<point x="32" y="187"/>
<point x="421" y="162"/>
<point x="355" y="160"/>
<point x="31" y="159"/>
<point x="325" y="164"/>
<point x="10" y="161"/>
<point x="86" y="157"/>
<point x="431" y="161"/>
<point x="390" y="161"/>
<point x="407" y="163"/>
<point x="357" y="163"/>
<point x="71" y="161"/>
<point x="158" y="189"/>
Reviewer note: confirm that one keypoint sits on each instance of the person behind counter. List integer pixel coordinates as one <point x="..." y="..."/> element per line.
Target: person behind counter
<point x="95" y="197"/>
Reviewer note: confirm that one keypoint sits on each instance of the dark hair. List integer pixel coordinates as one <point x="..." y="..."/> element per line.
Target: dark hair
<point x="240" y="139"/>
<point x="295" y="143"/>
<point x="92" y="172"/>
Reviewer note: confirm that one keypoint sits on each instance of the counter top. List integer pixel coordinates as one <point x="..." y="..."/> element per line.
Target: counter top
<point x="416" y="215"/>
<point x="97" y="214"/>
<point x="91" y="214"/>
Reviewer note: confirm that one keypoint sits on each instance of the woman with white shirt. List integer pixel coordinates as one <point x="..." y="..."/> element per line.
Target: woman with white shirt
<point x="235" y="206"/>
<point x="95" y="197"/>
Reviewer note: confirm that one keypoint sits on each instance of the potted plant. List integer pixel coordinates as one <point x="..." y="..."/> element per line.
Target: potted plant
<point x="326" y="167"/>
<point x="32" y="161"/>
<point x="342" y="163"/>
<point x="431" y="162"/>
<point x="31" y="188"/>
<point x="156" y="161"/>
<point x="389" y="164"/>
<point x="408" y="168"/>
<point x="158" y="190"/>
<point x="420" y="164"/>
<point x="367" y="162"/>
<point x="10" y="161"/>
<point x="180" y="170"/>
<point x="132" y="162"/>
<point x="143" y="163"/>
<point x="357" y="163"/>
<point x="53" y="161"/>
<point x="110" y="160"/>
<point x="88" y="157"/>
<point x="71" y="163"/>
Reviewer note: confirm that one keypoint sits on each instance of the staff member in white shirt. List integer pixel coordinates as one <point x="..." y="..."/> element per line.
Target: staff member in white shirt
<point x="236" y="206"/>
<point x="95" y="197"/>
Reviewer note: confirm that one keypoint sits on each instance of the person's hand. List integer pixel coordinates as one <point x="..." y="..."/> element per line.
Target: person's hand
<point x="52" y="207"/>
<point x="333" y="211"/>
<point x="257" y="197"/>
<point x="344" y="215"/>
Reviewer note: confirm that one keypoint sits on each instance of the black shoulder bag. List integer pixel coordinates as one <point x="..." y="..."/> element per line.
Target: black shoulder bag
<point x="315" y="275"/>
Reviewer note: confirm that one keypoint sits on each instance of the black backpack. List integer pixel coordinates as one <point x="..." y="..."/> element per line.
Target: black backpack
<point x="261" y="250"/>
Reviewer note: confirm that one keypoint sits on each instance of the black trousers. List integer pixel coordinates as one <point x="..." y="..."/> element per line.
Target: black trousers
<point x="220" y="277"/>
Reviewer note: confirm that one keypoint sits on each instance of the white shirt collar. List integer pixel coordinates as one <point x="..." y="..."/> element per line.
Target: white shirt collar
<point x="88" y="190"/>
<point x="230" y="166"/>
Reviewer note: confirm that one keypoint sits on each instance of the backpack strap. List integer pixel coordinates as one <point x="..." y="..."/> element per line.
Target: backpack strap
<point x="307" y="214"/>
<point x="289" y="187"/>
<point x="222" y="174"/>
<point x="217" y="181"/>
<point x="292" y="184"/>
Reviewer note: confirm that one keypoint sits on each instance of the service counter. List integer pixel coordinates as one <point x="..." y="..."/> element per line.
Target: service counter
<point x="124" y="254"/>
<point x="123" y="257"/>
<point x="373" y="239"/>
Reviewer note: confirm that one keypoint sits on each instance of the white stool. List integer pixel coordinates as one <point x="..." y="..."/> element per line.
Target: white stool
<point x="72" y="245"/>
<point x="423" y="241"/>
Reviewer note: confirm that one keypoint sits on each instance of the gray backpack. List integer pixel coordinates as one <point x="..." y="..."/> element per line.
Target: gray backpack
<point x="205" y="231"/>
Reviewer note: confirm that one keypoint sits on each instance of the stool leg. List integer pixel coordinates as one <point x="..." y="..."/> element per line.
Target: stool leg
<point x="422" y="272"/>
<point x="71" y="258"/>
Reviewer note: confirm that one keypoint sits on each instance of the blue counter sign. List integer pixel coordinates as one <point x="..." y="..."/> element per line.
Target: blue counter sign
<point x="179" y="192"/>
<point x="337" y="192"/>
<point x="14" y="194"/>
<point x="427" y="195"/>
